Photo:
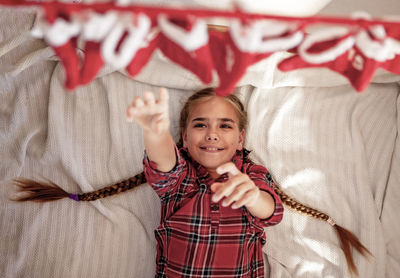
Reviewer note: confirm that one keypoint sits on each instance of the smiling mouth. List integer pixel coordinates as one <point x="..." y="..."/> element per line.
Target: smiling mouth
<point x="211" y="149"/>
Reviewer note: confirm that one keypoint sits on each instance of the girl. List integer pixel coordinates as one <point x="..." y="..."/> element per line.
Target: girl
<point x="215" y="202"/>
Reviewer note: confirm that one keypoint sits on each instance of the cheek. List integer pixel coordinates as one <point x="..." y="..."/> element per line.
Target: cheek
<point x="190" y="138"/>
<point x="235" y="139"/>
<point x="236" y="143"/>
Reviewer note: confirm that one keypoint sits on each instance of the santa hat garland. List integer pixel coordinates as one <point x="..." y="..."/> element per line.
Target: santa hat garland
<point x="125" y="36"/>
<point x="392" y="64"/>
<point x="246" y="44"/>
<point x="94" y="31"/>
<point x="185" y="42"/>
<point x="125" y="39"/>
<point x="111" y="38"/>
<point x="353" y="52"/>
<point x="143" y="55"/>
<point x="61" y="33"/>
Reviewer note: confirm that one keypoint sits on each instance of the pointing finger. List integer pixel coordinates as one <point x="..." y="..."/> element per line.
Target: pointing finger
<point x="163" y="96"/>
<point x="225" y="189"/>
<point x="229" y="168"/>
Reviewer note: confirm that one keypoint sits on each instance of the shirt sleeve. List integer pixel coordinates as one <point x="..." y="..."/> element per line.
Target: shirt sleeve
<point x="163" y="182"/>
<point x="262" y="178"/>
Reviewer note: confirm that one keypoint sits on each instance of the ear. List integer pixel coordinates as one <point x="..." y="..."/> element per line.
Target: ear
<point x="241" y="140"/>
<point x="184" y="139"/>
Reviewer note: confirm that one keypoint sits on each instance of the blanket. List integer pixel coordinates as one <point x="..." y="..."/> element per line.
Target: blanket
<point x="324" y="144"/>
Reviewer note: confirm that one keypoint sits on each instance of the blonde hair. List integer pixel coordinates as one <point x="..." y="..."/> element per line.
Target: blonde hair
<point x="44" y="192"/>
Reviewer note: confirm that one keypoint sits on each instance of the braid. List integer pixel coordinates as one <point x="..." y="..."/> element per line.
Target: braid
<point x="299" y="207"/>
<point x="114" y="189"/>
<point x="44" y="192"/>
<point x="346" y="238"/>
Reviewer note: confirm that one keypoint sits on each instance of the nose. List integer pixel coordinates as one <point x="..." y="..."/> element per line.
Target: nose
<point x="212" y="133"/>
<point x="212" y="137"/>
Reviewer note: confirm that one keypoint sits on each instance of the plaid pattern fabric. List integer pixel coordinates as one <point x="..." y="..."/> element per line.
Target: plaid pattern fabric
<point x="200" y="238"/>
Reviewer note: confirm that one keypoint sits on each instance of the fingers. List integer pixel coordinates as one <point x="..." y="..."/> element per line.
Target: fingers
<point x="236" y="194"/>
<point x="248" y="199"/>
<point x="141" y="105"/>
<point x="243" y="194"/>
<point x="163" y="96"/>
<point x="238" y="191"/>
<point x="224" y="189"/>
<point x="130" y="110"/>
<point x="228" y="168"/>
<point x="149" y="98"/>
<point x="137" y="102"/>
<point x="148" y="109"/>
<point x="227" y="188"/>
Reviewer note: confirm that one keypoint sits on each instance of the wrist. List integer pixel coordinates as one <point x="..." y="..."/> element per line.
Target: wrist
<point x="263" y="207"/>
<point x="255" y="202"/>
<point x="152" y="136"/>
<point x="157" y="128"/>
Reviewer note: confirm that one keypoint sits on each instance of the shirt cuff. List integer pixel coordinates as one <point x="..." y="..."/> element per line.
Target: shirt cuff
<point x="157" y="178"/>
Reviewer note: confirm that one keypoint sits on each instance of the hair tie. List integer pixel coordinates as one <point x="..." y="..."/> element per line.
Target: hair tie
<point x="331" y="221"/>
<point x="74" y="197"/>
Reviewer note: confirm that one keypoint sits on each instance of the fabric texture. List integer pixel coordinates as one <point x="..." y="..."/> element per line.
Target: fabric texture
<point x="323" y="143"/>
<point x="200" y="238"/>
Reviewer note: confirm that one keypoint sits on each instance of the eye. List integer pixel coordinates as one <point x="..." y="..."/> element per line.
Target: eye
<point x="226" y="126"/>
<point x="199" y="125"/>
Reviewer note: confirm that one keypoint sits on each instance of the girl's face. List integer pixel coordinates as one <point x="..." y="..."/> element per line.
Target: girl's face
<point x="212" y="133"/>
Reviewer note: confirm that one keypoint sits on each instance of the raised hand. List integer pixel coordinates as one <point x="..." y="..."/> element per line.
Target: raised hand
<point x="150" y="113"/>
<point x="239" y="190"/>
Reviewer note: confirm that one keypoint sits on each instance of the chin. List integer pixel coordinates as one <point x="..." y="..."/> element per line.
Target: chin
<point x="209" y="165"/>
<point x="214" y="164"/>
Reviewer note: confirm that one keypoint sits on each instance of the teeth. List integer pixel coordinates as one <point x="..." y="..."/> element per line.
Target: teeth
<point x="211" y="149"/>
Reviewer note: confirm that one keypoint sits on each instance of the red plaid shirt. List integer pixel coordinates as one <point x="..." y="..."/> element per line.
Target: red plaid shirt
<point x="200" y="238"/>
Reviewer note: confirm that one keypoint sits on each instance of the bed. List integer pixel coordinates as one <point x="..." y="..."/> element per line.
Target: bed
<point x="325" y="144"/>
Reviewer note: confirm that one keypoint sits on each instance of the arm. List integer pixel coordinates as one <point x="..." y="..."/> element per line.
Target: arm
<point x="240" y="190"/>
<point x="152" y="115"/>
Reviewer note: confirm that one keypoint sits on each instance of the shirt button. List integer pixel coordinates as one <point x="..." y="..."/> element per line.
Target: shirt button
<point x="214" y="207"/>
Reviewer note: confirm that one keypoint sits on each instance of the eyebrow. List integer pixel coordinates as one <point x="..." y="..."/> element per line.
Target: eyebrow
<point x="207" y="119"/>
